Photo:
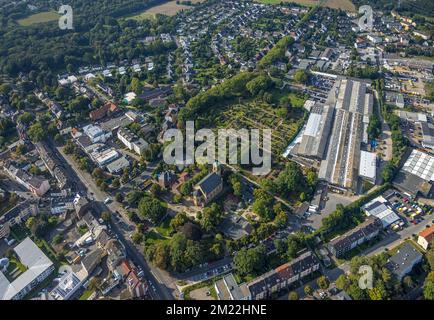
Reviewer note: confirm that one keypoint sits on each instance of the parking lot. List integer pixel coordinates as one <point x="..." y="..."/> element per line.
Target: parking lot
<point x="410" y="211"/>
<point x="328" y="204"/>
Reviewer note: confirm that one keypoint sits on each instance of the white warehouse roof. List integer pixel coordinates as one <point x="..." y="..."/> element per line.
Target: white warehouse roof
<point x="420" y="164"/>
<point x="368" y="165"/>
<point x="379" y="208"/>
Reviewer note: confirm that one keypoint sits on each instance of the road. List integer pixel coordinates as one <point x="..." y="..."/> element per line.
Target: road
<point x="86" y="184"/>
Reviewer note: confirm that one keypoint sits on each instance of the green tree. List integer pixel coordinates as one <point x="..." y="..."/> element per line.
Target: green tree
<point x="57" y="239"/>
<point x="308" y="290"/>
<point x="293" y="295"/>
<point x="323" y="282"/>
<point x="151" y="208"/>
<point x="301" y="76"/>
<point x="26" y="118"/>
<point x="106" y="216"/>
<point x="248" y="261"/>
<point x="36" y="132"/>
<point x="137" y="237"/>
<point x="263" y="204"/>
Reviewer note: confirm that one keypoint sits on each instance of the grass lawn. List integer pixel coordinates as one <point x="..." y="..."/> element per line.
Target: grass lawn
<point x="153" y="237"/>
<point x="296" y="100"/>
<point x="86" y="294"/>
<point x="164" y="228"/>
<point x="39" y="18"/>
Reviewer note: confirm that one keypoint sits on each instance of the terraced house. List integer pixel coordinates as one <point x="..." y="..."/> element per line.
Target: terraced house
<point x="282" y="277"/>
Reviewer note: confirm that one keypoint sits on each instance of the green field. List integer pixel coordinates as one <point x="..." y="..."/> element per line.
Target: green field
<point x="142" y="16"/>
<point x="38" y="18"/>
<point x="170" y="8"/>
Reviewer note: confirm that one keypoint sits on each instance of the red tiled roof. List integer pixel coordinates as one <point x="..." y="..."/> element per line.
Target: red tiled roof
<point x="428" y="233"/>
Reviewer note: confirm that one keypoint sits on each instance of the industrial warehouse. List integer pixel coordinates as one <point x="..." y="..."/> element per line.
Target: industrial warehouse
<point x="335" y="134"/>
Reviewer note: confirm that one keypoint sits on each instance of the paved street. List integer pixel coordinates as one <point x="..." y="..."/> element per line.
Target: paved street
<point x="85" y="179"/>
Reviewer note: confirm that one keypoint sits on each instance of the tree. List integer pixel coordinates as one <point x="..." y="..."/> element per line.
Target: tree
<point x="301" y="76"/>
<point x="119" y="197"/>
<point x="133" y="198"/>
<point x="293" y="295"/>
<point x="36" y="132"/>
<point x="323" y="282"/>
<point x="116" y="183"/>
<point x="137" y="237"/>
<point x="26" y="118"/>
<point x="178" y="221"/>
<point x="428" y="289"/>
<point x="342" y="282"/>
<point x="247" y="261"/>
<point x="94" y="283"/>
<point x="21" y="149"/>
<point x="236" y="185"/>
<point x="161" y="256"/>
<point x="98" y="173"/>
<point x="211" y="217"/>
<point x="191" y="231"/>
<point x="155" y="190"/>
<point x="57" y="239"/>
<point x="408" y="282"/>
<point x="281" y="219"/>
<point x="308" y="290"/>
<point x="151" y="208"/>
<point x="263" y="204"/>
<point x="30" y="222"/>
<point x="177" y="198"/>
<point x="430" y="257"/>
<point x="106" y="216"/>
<point x="291" y="179"/>
<point x="260" y="83"/>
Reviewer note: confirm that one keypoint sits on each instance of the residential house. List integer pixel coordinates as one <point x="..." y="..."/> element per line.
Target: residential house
<point x="37" y="185"/>
<point x="4" y="230"/>
<point x="115" y="253"/>
<point x="136" y="287"/>
<point x="425" y="238"/>
<point x="355" y="237"/>
<point x="228" y="289"/>
<point x="282" y="277"/>
<point x="108" y="108"/>
<point x="92" y="260"/>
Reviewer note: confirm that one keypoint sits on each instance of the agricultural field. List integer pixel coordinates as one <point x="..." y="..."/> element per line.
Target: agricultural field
<point x="260" y="115"/>
<point x="38" y="18"/>
<point x="346" y="5"/>
<point x="170" y="8"/>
